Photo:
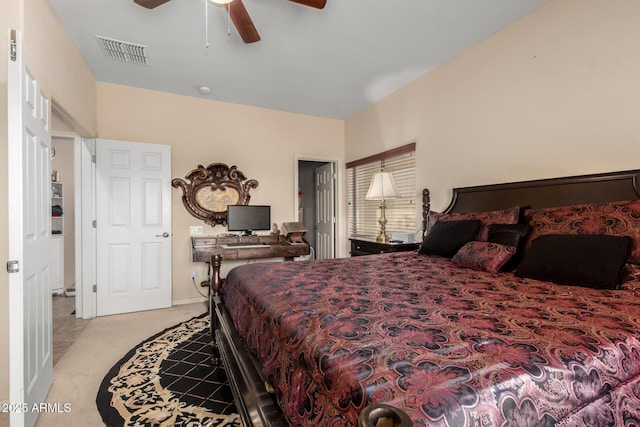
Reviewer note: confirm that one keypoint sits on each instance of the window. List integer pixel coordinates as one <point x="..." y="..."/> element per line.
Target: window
<point x="400" y="212"/>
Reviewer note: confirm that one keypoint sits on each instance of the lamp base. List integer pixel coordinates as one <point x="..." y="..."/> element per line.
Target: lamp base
<point x="382" y="237"/>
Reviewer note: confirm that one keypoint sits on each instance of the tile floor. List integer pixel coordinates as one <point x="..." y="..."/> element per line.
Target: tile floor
<point x="66" y="327"/>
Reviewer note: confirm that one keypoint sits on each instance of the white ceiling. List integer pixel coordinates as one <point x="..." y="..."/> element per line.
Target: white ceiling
<point x="331" y="63"/>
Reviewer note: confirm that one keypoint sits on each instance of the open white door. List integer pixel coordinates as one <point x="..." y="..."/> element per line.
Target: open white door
<point x="29" y="241"/>
<point x="85" y="213"/>
<point x="325" y="211"/>
<point x="133" y="201"/>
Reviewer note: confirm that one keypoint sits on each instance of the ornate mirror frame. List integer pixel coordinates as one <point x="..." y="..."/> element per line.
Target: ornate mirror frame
<point x="206" y="192"/>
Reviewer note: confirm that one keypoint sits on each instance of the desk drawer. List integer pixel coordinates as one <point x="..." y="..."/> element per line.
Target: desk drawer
<point x="292" y="250"/>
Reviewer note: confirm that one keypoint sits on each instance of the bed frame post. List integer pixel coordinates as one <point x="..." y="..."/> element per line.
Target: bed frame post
<point x="216" y="281"/>
<point x="383" y="415"/>
<point x="426" y="207"/>
<point x="215" y="285"/>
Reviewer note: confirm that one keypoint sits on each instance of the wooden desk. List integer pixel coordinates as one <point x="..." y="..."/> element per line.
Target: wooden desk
<point x="210" y="249"/>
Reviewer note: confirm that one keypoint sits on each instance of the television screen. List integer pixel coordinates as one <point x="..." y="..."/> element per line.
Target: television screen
<point x="248" y="218"/>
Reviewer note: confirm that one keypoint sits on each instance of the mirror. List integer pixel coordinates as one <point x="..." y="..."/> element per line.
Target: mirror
<point x="206" y="192"/>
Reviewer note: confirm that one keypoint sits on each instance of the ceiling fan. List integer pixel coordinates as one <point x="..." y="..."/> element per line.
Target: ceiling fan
<point x="238" y="14"/>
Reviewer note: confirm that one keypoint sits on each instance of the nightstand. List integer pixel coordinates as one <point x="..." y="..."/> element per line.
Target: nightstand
<point x="362" y="246"/>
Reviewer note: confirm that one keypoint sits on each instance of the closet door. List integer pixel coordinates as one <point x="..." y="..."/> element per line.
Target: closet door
<point x="133" y="200"/>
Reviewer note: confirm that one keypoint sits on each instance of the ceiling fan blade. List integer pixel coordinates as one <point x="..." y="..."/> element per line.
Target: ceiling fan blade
<point x="242" y="21"/>
<point x="318" y="4"/>
<point x="150" y="4"/>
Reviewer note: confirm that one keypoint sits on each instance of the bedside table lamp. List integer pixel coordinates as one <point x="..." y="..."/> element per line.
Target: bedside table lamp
<point x="382" y="187"/>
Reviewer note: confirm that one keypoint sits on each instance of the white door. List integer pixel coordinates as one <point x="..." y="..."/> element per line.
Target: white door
<point x="133" y="202"/>
<point x="325" y="211"/>
<point x="85" y="214"/>
<point x="29" y="241"/>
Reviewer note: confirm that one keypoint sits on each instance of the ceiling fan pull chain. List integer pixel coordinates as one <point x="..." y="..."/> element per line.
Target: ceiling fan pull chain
<point x="206" y="23"/>
<point x="229" y="22"/>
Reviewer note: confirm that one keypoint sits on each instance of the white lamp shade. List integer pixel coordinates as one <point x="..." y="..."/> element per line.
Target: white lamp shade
<point x="382" y="187"/>
<point x="221" y="1"/>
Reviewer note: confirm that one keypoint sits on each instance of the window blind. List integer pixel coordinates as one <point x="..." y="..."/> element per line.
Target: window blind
<point x="363" y="214"/>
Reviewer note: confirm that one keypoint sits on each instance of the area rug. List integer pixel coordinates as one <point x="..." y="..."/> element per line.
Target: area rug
<point x="168" y="380"/>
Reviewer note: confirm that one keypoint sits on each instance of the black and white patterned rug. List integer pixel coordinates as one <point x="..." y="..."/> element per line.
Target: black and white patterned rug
<point x="168" y="380"/>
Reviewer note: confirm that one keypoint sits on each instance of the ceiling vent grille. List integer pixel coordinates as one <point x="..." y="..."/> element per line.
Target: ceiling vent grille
<point x="124" y="51"/>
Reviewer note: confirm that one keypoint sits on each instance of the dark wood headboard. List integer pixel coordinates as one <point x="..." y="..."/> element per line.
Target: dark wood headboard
<point x="543" y="193"/>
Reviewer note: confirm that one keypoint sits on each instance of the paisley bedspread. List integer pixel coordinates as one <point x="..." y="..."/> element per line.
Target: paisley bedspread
<point x="450" y="345"/>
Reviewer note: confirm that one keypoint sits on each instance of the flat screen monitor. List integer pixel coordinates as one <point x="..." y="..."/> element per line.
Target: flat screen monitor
<point x="248" y="218"/>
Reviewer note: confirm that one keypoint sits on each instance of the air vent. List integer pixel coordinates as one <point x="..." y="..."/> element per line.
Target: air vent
<point x="124" y="51"/>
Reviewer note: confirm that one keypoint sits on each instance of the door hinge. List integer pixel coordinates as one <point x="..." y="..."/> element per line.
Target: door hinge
<point x="95" y="288"/>
<point x="13" y="266"/>
<point x="13" y="49"/>
<point x="94" y="224"/>
<point x="93" y="158"/>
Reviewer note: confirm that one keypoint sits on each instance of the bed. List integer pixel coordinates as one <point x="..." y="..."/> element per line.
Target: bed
<point x="532" y="319"/>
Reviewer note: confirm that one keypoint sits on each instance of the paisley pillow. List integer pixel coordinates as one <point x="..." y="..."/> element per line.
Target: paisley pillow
<point x="505" y="216"/>
<point x="485" y="256"/>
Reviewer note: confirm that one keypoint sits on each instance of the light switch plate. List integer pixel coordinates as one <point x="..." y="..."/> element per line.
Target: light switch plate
<point x="195" y="230"/>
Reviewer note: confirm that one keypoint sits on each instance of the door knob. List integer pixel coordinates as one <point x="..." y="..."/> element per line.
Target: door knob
<point x="165" y="235"/>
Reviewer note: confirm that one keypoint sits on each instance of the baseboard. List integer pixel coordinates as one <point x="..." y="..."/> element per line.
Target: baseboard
<point x="189" y="300"/>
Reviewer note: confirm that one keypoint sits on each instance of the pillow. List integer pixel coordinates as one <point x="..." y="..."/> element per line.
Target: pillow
<point x="589" y="260"/>
<point x="508" y="234"/>
<point x="446" y="237"/>
<point x="505" y="216"/>
<point x="614" y="219"/>
<point x="513" y="235"/>
<point x="485" y="256"/>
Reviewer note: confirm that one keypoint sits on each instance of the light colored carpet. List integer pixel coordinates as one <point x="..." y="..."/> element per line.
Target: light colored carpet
<point x="102" y="343"/>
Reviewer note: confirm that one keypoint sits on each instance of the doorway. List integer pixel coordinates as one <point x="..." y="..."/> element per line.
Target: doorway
<point x="317" y="212"/>
<point x="62" y="215"/>
<point x="67" y="321"/>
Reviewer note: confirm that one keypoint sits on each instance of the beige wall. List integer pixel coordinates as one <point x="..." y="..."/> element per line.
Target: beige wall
<point x="554" y="94"/>
<point x="57" y="64"/>
<point x="262" y="143"/>
<point x="65" y="78"/>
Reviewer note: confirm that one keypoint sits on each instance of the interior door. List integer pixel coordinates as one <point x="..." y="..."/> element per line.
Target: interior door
<point x="325" y="211"/>
<point x="133" y="201"/>
<point x="29" y="240"/>
<point x="85" y="214"/>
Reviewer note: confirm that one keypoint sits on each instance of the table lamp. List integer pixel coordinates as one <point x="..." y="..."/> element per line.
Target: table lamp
<point x="382" y="187"/>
